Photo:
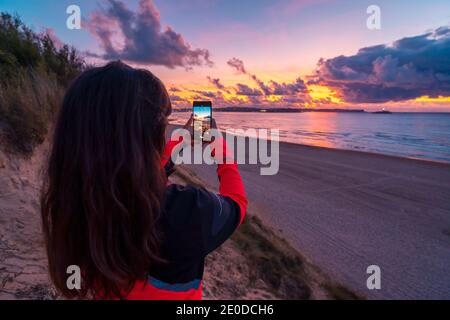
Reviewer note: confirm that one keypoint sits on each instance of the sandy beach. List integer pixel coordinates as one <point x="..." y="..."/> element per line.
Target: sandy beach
<point x="346" y="210"/>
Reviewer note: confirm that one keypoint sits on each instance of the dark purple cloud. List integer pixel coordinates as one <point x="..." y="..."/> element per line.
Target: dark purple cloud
<point x="174" y="89"/>
<point x="245" y="90"/>
<point x="291" y="94"/>
<point x="144" y="41"/>
<point x="205" y="94"/>
<point x="267" y="91"/>
<point x="237" y="64"/>
<point x="409" y="68"/>
<point x="176" y="99"/>
<point x="298" y="87"/>
<point x="216" y="83"/>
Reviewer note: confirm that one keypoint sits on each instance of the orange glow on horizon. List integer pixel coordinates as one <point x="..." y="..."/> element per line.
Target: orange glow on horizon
<point x="273" y="98"/>
<point x="429" y="99"/>
<point x="321" y="97"/>
<point x="319" y="92"/>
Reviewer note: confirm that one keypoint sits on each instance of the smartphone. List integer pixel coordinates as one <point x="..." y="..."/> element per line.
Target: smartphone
<point x="202" y="118"/>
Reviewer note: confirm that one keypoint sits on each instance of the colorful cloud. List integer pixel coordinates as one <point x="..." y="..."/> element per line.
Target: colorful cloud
<point x="138" y="37"/>
<point x="410" y="68"/>
<point x="216" y="82"/>
<point x="268" y="95"/>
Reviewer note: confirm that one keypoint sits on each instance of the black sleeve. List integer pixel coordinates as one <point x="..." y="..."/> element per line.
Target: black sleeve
<point x="200" y="219"/>
<point x="220" y="218"/>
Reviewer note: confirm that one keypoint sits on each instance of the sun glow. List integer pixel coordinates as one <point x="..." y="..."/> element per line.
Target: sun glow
<point x="321" y="93"/>
<point x="432" y="99"/>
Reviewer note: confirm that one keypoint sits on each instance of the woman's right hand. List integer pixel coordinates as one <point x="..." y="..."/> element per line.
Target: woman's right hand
<point x="188" y="124"/>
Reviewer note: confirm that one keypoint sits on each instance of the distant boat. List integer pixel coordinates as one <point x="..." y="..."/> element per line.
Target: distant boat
<point x="263" y="110"/>
<point x="383" y="111"/>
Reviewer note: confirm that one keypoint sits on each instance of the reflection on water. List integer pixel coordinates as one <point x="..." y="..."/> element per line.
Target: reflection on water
<point x="415" y="135"/>
<point x="317" y="134"/>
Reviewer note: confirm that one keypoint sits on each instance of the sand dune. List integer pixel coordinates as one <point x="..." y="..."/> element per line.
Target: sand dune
<point x="23" y="271"/>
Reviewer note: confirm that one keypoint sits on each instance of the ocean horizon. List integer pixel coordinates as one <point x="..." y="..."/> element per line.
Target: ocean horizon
<point x="417" y="135"/>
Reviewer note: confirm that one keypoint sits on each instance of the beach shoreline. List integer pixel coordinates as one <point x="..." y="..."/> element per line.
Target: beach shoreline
<point x="171" y="127"/>
<point x="369" y="153"/>
<point x="411" y="135"/>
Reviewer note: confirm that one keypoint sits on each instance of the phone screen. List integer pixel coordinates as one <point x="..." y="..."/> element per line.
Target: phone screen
<point x="201" y="119"/>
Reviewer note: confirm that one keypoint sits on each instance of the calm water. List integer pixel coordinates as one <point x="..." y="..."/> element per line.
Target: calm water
<point x="413" y="135"/>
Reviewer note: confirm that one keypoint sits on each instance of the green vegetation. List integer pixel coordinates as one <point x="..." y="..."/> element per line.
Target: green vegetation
<point x="273" y="260"/>
<point x="34" y="73"/>
<point x="276" y="262"/>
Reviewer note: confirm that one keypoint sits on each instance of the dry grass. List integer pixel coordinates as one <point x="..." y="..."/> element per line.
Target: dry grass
<point x="273" y="260"/>
<point x="27" y="106"/>
<point x="33" y="75"/>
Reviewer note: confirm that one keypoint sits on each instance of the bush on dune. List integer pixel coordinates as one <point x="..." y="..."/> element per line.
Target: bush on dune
<point x="27" y="109"/>
<point x="33" y="76"/>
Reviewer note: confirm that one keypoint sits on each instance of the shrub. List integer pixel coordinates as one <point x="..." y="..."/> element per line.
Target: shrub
<point x="27" y="108"/>
<point x="33" y="76"/>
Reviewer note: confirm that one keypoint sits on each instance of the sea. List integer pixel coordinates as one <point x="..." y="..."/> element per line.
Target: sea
<point x="411" y="135"/>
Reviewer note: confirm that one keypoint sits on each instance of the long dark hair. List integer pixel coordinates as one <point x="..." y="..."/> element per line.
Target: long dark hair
<point x="102" y="198"/>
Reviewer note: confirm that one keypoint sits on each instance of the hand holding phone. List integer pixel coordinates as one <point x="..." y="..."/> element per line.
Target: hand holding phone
<point x="202" y="120"/>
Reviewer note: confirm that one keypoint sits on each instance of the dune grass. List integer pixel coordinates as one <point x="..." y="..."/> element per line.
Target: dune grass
<point x="28" y="108"/>
<point x="272" y="260"/>
<point x="34" y="73"/>
<point x="276" y="262"/>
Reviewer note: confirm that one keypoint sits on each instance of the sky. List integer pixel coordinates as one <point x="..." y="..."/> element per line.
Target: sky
<point x="268" y="53"/>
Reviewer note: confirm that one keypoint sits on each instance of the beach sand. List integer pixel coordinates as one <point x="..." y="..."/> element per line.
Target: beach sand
<point x="347" y="210"/>
<point x="23" y="262"/>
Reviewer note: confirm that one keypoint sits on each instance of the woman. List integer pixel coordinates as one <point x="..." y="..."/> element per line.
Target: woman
<point x="107" y="206"/>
